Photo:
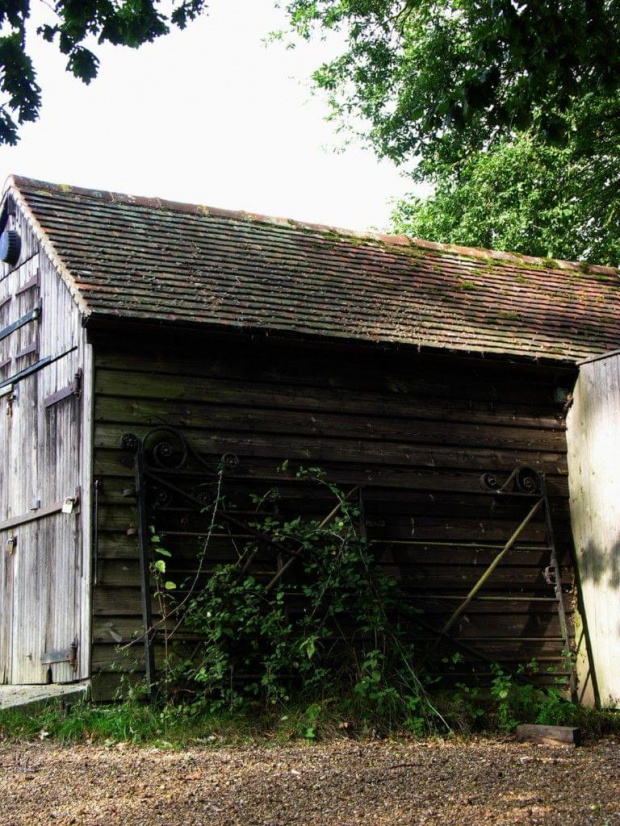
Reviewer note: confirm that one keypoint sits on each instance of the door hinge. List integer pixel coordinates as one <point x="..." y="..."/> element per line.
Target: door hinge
<point x="73" y="389"/>
<point x="64" y="655"/>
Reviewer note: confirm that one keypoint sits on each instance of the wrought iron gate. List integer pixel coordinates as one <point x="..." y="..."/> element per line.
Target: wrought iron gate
<point x="176" y="487"/>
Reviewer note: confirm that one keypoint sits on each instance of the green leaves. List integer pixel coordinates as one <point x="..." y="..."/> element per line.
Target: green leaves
<point x="308" y="631"/>
<point x="121" y="22"/>
<point x="441" y="80"/>
<point x="527" y="196"/>
<point x="20" y="92"/>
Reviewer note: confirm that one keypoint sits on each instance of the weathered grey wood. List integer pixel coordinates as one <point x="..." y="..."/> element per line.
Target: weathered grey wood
<point x="594" y="460"/>
<point x="44" y="583"/>
<point x="551" y="735"/>
<point x="6" y="603"/>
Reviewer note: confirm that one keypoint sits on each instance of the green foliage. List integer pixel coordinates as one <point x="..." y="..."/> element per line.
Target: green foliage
<point x="120" y="22"/>
<point x="511" y="110"/>
<point x="130" y="721"/>
<point x="335" y="628"/>
<point x="530" y="197"/>
<point x="519" y="701"/>
<point x="171" y="724"/>
<point x="440" y="78"/>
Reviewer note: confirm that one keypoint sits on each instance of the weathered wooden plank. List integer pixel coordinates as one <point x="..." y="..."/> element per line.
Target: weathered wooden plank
<point x="594" y="460"/>
<point x="379" y="372"/>
<point x="109" y="657"/>
<point x="126" y="572"/>
<point x="549" y="735"/>
<point x="118" y="545"/>
<point x="147" y="385"/>
<point x="296" y="497"/>
<point x="112" y="685"/>
<point x="249" y="446"/>
<point x="403" y="529"/>
<point x="439" y="419"/>
<point x="395" y="514"/>
<point x="6" y="606"/>
<point x="117" y="630"/>
<point x="117" y="468"/>
<point x="489" y="604"/>
<point x="31" y="598"/>
<point x="117" y="602"/>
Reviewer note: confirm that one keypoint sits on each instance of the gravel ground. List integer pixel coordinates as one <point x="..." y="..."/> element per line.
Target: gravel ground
<point x="337" y="784"/>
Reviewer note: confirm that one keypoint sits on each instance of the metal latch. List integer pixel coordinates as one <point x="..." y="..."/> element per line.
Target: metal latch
<point x="10" y="544"/>
<point x="550" y="575"/>
<point x="65" y="655"/>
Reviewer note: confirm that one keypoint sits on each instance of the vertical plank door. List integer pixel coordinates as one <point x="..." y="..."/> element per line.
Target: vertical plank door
<point x="44" y="467"/>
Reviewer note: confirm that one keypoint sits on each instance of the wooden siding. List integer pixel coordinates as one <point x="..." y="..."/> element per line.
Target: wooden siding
<point x="417" y="433"/>
<point x="44" y="459"/>
<point x="594" y="461"/>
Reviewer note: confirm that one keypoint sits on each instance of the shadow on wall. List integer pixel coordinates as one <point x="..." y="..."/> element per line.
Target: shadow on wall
<point x="602" y="567"/>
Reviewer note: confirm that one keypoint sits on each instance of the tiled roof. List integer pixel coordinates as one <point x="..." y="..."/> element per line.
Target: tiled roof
<point x="154" y="260"/>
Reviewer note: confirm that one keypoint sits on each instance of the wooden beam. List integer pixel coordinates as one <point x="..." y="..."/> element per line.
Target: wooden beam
<point x="550" y="735"/>
<point x="485" y="576"/>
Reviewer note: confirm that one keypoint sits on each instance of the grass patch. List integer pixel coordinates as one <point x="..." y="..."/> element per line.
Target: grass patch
<point x="124" y="722"/>
<point x="173" y="726"/>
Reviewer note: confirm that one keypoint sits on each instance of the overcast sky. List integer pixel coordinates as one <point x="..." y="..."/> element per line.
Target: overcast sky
<point x="209" y="115"/>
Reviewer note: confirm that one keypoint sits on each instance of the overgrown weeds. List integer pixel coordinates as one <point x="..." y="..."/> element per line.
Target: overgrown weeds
<point x="171" y="725"/>
<point x="337" y="628"/>
<point x="321" y="654"/>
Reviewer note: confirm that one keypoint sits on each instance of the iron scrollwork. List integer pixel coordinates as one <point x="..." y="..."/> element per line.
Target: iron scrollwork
<point x="523" y="480"/>
<point x="165" y="448"/>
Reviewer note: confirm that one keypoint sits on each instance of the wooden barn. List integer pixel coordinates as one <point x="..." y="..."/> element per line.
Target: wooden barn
<point x="145" y="343"/>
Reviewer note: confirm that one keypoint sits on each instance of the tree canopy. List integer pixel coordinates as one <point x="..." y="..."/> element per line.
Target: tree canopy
<point x="511" y="108"/>
<point x="529" y="195"/>
<point x="78" y="23"/>
<point x="439" y="79"/>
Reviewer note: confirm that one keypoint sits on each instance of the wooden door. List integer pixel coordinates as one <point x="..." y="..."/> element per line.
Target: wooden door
<point x="41" y="571"/>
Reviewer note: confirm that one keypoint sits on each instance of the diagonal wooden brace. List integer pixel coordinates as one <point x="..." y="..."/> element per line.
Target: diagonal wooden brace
<point x="485" y="576"/>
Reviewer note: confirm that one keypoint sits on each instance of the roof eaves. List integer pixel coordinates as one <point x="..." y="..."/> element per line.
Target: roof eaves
<point x="105" y="317"/>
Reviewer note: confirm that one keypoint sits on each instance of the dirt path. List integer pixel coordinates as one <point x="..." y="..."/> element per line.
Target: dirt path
<point x="339" y="784"/>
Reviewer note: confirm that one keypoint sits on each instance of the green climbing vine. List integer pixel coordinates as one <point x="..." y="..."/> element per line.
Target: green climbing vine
<point x="336" y="628"/>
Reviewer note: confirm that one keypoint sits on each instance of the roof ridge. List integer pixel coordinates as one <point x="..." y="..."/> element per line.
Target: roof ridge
<point x="365" y="235"/>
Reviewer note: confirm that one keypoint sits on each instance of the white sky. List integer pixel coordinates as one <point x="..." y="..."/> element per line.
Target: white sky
<point x="209" y="115"/>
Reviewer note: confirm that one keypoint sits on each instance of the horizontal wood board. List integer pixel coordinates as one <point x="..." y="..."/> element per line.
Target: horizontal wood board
<point x="417" y="433"/>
